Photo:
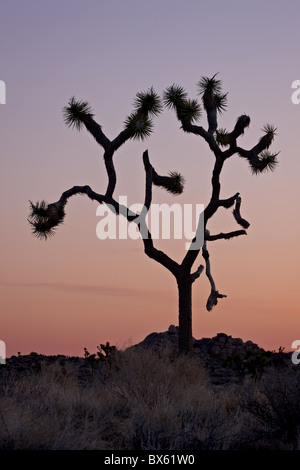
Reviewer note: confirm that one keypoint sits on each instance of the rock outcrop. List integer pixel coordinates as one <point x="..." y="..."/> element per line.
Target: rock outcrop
<point x="227" y="359"/>
<point x="221" y="344"/>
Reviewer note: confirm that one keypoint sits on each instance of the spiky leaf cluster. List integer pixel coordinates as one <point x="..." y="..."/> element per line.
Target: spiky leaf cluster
<point x="187" y="110"/>
<point x="148" y="102"/>
<point x="267" y="139"/>
<point x="212" y="96"/>
<point x="269" y="129"/>
<point x="210" y="85"/>
<point x="43" y="218"/>
<point x="174" y="96"/>
<point x="76" y="113"/>
<point x="266" y="161"/>
<point x="221" y="101"/>
<point x="223" y="137"/>
<point x="139" y="123"/>
<point x="174" y="183"/>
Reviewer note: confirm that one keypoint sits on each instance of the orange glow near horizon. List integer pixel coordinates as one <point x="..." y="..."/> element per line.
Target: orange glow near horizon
<point x="77" y="291"/>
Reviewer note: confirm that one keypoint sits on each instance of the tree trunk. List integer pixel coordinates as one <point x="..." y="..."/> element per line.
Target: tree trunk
<point x="185" y="316"/>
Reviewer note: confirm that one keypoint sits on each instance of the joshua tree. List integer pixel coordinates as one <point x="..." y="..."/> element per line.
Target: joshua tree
<point x="139" y="125"/>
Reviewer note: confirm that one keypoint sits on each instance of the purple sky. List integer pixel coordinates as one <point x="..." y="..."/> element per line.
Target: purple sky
<point x="76" y="291"/>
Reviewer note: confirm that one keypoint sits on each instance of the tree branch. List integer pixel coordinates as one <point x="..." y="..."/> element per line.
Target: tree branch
<point x="225" y="236"/>
<point x="121" y="138"/>
<point x="231" y="137"/>
<point x="211" y="111"/>
<point x="209" y="211"/>
<point x="96" y="130"/>
<point x="236" y="211"/>
<point x="195" y="247"/>
<point x="214" y="294"/>
<point x="150" y="250"/>
<point x="213" y="299"/>
<point x="237" y="214"/>
<point x="228" y="202"/>
<point x="239" y="128"/>
<point x="197" y="273"/>
<point x="174" y="183"/>
<point x="208" y="137"/>
<point x="149" y="171"/>
<point x="111" y="172"/>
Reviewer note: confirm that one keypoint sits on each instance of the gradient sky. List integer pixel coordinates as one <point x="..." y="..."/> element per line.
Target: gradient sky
<point x="75" y="291"/>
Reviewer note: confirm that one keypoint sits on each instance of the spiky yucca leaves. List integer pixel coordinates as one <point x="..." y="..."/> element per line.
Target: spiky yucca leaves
<point x="148" y="102"/>
<point x="139" y="123"/>
<point x="223" y="137"/>
<point x="76" y="113"/>
<point x="174" y="96"/>
<point x="174" y="183"/>
<point x="212" y="96"/>
<point x="187" y="110"/>
<point x="259" y="157"/>
<point x="213" y="100"/>
<point x="43" y="218"/>
<point x="221" y="102"/>
<point x="266" y="161"/>
<point x="267" y="139"/>
<point x="210" y="85"/>
<point x="263" y="160"/>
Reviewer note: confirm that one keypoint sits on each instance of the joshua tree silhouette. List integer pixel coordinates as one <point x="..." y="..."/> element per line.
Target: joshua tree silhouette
<point x="139" y="125"/>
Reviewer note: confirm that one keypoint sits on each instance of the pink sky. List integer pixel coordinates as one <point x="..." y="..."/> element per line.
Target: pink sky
<point x="75" y="291"/>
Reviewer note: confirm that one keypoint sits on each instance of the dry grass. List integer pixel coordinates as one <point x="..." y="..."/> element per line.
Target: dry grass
<point x="144" y="401"/>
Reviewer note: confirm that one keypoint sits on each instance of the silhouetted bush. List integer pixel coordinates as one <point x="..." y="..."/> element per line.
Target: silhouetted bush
<point x="141" y="399"/>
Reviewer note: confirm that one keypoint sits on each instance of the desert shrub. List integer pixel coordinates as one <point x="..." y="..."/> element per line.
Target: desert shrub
<point x="273" y="404"/>
<point x="253" y="363"/>
<point x="53" y="410"/>
<point x="146" y="400"/>
<point x="171" y="403"/>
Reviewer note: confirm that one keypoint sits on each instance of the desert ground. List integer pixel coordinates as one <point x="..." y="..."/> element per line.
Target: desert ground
<point x="228" y="395"/>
